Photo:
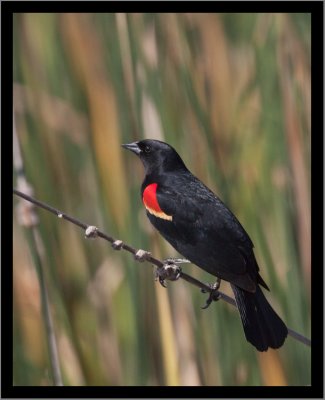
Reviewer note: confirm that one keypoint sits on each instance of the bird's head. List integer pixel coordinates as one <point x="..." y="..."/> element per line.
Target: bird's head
<point x="156" y="156"/>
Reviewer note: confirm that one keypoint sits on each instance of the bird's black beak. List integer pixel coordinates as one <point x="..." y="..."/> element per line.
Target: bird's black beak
<point x="133" y="147"/>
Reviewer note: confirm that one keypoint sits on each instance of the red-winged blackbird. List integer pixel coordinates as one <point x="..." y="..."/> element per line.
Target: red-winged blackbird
<point x="200" y="227"/>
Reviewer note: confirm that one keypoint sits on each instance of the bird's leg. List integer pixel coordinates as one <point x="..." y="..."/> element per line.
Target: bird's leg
<point x="170" y="270"/>
<point x="214" y="294"/>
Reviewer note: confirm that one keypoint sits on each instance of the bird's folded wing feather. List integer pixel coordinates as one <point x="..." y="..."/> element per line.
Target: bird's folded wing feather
<point x="206" y="215"/>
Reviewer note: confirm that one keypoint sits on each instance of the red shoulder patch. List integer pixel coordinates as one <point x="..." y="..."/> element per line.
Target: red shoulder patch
<point x="150" y="197"/>
<point x="150" y="201"/>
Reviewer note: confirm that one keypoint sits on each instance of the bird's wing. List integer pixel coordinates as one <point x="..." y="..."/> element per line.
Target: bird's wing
<point x="225" y="221"/>
<point x="183" y="208"/>
<point x="195" y="204"/>
<point x="207" y="226"/>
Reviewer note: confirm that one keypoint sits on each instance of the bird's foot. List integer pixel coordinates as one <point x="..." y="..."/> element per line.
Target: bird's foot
<point x="214" y="294"/>
<point x="169" y="271"/>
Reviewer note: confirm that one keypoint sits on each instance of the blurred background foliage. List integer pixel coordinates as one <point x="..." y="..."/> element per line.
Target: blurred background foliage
<point x="231" y="92"/>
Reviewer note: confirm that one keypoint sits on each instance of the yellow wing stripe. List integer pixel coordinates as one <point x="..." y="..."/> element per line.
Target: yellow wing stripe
<point x="159" y="214"/>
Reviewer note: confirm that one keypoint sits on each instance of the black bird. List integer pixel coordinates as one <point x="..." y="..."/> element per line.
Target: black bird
<point x="200" y="227"/>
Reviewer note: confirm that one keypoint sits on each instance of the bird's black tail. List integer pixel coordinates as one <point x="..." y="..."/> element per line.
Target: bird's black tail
<point x="263" y="327"/>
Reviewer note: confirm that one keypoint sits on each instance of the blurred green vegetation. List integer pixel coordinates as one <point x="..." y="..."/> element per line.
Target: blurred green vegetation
<point x="231" y="92"/>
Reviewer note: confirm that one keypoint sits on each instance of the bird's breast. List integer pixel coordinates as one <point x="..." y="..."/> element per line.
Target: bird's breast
<point x="150" y="201"/>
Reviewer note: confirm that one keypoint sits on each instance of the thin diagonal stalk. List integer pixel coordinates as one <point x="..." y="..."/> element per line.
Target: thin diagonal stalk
<point x="148" y="256"/>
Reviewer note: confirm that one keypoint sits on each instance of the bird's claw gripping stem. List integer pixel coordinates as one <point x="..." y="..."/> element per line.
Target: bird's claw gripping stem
<point x="214" y="294"/>
<point x="169" y="271"/>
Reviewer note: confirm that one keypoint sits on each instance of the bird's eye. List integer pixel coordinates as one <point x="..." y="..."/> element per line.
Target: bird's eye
<point x="147" y="149"/>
